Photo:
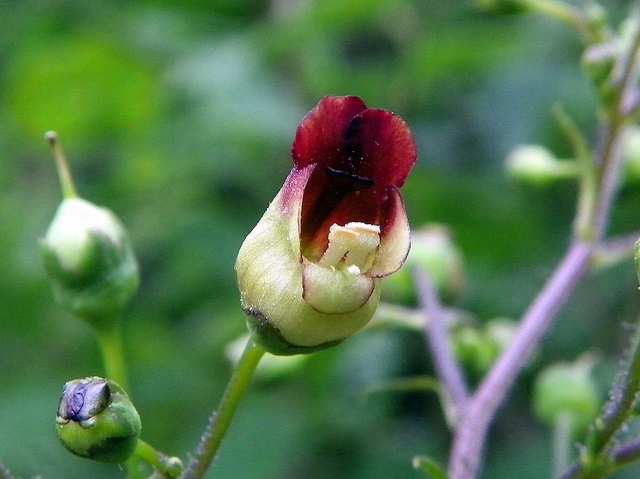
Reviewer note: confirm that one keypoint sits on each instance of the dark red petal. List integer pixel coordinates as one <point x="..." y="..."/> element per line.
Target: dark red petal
<point x="360" y="206"/>
<point x="320" y="136"/>
<point x="381" y="147"/>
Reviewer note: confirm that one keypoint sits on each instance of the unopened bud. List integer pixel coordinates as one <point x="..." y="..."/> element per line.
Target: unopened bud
<point x="87" y="254"/>
<point x="566" y="389"/>
<point x="96" y="420"/>
<point x="631" y="156"/>
<point x="534" y="164"/>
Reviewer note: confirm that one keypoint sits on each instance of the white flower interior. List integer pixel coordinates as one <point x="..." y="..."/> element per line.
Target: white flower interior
<point x="351" y="246"/>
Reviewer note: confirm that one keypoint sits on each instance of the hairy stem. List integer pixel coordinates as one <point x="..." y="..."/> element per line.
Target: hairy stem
<point x="221" y="418"/>
<point x="618" y="409"/>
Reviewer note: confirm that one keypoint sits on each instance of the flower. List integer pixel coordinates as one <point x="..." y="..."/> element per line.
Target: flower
<point x="308" y="271"/>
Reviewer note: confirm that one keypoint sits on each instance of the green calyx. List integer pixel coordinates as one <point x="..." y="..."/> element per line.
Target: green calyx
<point x="97" y="420"/>
<point x="270" y="339"/>
<point x="294" y="306"/>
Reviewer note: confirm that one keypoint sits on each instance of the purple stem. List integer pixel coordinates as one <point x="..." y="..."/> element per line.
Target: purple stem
<point x="438" y="342"/>
<point x="470" y="435"/>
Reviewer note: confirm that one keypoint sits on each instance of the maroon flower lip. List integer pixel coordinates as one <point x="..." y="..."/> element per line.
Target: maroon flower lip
<point x="360" y="158"/>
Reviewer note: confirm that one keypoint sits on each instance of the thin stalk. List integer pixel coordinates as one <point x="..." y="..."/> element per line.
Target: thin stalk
<point x="588" y="192"/>
<point x="619" y="408"/>
<point x="610" y="151"/>
<point x="439" y="344"/>
<point x="111" y="346"/>
<point x="562" y="429"/>
<point x="221" y="418"/>
<point x="626" y="454"/>
<point x="64" y="173"/>
<point x="5" y="473"/>
<point x="564" y="13"/>
<point x="167" y="467"/>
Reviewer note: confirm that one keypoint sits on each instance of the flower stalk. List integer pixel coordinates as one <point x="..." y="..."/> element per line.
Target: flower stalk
<point x="64" y="173"/>
<point x="220" y="420"/>
<point x="111" y="346"/>
<point x="439" y="344"/>
<point x="167" y="467"/>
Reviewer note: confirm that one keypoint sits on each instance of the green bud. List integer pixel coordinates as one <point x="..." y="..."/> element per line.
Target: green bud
<point x="631" y="156"/>
<point x="96" y="420"/>
<point x="477" y="348"/>
<point x="88" y="256"/>
<point x="599" y="61"/>
<point x="474" y="349"/>
<point x="566" y="389"/>
<point x="433" y="249"/>
<point x="535" y="165"/>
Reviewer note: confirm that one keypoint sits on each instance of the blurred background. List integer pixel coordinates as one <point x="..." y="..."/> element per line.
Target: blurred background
<point x="179" y="116"/>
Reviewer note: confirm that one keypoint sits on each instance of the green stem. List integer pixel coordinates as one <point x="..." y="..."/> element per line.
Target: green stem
<point x="64" y="173"/>
<point x="561" y="442"/>
<point x="112" y="349"/>
<point x="221" y="419"/>
<point x="618" y="410"/>
<point x="168" y="467"/>
<point x="588" y="193"/>
<point x="562" y="12"/>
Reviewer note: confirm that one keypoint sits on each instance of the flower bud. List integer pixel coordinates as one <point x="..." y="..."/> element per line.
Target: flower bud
<point x="566" y="389"/>
<point x="433" y="249"/>
<point x="88" y="256"/>
<point x="535" y="165"/>
<point x="96" y="420"/>
<point x="599" y="61"/>
<point x="631" y="156"/>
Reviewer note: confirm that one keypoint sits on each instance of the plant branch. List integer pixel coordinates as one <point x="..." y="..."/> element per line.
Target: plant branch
<point x="5" y="473"/>
<point x="166" y="467"/>
<point x="439" y="344"/>
<point x="470" y="436"/>
<point x="220" y="420"/>
<point x="618" y="409"/>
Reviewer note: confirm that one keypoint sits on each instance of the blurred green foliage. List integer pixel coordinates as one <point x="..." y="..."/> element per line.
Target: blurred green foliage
<point x="179" y="116"/>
